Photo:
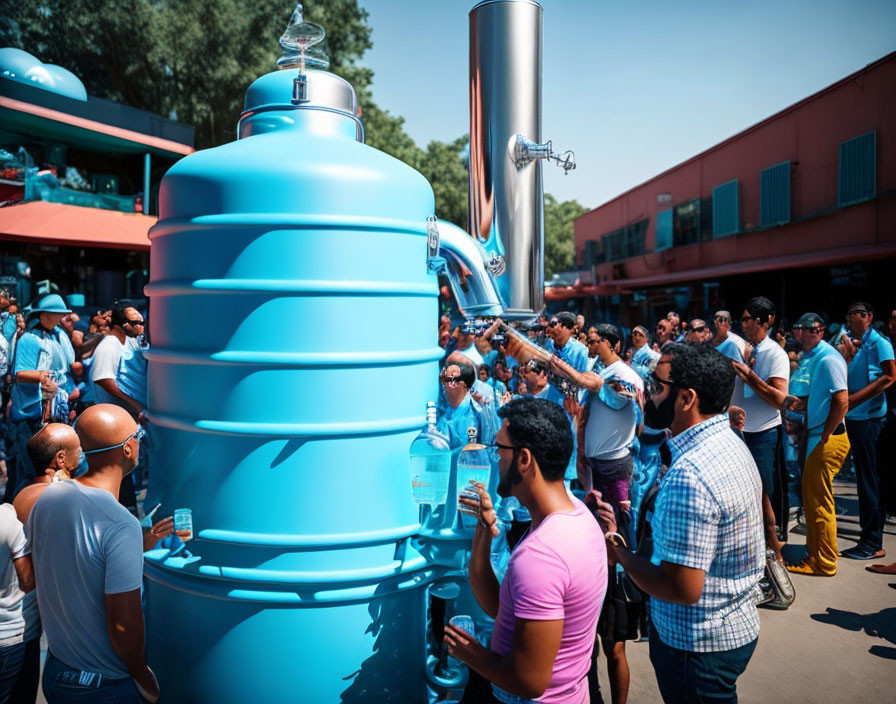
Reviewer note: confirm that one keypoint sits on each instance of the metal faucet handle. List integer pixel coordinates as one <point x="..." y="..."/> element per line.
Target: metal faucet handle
<point x="525" y="151"/>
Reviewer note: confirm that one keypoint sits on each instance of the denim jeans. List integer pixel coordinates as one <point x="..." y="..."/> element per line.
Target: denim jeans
<point x="10" y="666"/>
<point x="863" y="437"/>
<point x="686" y="677"/>
<point x="767" y="449"/>
<point x="65" y="685"/>
<point x="25" y="689"/>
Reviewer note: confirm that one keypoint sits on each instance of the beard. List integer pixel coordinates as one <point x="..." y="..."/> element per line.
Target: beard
<point x="508" y="481"/>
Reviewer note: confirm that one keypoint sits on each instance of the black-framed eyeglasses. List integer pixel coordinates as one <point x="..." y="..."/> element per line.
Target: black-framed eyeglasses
<point x="863" y="313"/>
<point x="747" y="318"/>
<point x="655" y="384"/>
<point x="500" y="446"/>
<point x="553" y="323"/>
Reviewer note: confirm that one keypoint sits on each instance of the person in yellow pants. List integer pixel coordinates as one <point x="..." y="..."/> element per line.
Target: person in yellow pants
<point x="818" y="503"/>
<point x="823" y="370"/>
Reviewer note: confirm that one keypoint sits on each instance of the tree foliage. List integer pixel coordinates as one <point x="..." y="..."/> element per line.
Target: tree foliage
<point x="196" y="58"/>
<point x="559" y="240"/>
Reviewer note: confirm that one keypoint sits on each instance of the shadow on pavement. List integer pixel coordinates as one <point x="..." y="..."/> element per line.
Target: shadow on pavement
<point x="877" y="625"/>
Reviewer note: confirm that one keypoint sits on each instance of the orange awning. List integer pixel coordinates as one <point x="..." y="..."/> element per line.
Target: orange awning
<point x="74" y="225"/>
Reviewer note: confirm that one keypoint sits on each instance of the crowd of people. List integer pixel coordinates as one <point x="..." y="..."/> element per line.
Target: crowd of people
<point x="73" y="396"/>
<point x="642" y="467"/>
<point x="681" y="440"/>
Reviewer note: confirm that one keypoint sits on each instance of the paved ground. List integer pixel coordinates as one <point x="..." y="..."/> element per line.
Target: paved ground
<point x="836" y="643"/>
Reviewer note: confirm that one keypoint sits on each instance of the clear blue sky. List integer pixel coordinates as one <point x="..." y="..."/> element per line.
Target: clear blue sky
<point x="633" y="86"/>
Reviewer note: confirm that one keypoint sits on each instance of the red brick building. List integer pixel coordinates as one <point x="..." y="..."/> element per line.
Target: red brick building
<point x="800" y="208"/>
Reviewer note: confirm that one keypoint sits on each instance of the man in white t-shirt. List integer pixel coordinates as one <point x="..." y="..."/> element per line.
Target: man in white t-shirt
<point x="760" y="389"/>
<point x="127" y="326"/>
<point x="16" y="578"/>
<point x="88" y="565"/>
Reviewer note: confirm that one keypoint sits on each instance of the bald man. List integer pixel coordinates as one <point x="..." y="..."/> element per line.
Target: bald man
<point x="88" y="565"/>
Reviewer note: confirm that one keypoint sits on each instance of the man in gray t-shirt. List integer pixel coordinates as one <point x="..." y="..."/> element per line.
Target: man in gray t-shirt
<point x="88" y="563"/>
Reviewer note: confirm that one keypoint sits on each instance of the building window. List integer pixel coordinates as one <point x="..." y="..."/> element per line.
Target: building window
<point x="705" y="219"/>
<point x="663" y="230"/>
<point x="686" y="223"/>
<point x="857" y="175"/>
<point x="635" y="235"/>
<point x="594" y="253"/>
<point x="613" y="245"/>
<point x="774" y="195"/>
<point x="726" y="209"/>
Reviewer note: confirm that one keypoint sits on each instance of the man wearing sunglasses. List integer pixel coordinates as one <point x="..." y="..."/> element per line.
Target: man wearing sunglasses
<point x="562" y="344"/>
<point x="698" y="332"/>
<point x="760" y="390"/>
<point x="826" y="441"/>
<point x="546" y="607"/>
<point x="871" y="371"/>
<point x="460" y="412"/>
<point x="731" y="345"/>
<point x="127" y="326"/>
<point x="88" y="565"/>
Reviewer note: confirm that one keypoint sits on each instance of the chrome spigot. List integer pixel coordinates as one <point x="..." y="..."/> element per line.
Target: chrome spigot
<point x="526" y="151"/>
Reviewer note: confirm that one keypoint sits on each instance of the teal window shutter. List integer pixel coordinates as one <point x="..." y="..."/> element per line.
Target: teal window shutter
<point x="774" y="195"/>
<point x="663" y="230"/>
<point x="857" y="173"/>
<point x="726" y="209"/>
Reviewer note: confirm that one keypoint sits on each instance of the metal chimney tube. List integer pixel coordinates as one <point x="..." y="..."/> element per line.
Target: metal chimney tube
<point x="506" y="194"/>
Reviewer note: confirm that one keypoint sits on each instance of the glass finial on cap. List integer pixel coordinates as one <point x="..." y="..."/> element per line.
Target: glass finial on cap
<point x="299" y="41"/>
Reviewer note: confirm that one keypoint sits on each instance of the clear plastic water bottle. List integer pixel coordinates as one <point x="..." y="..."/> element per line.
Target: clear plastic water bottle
<point x="430" y="462"/>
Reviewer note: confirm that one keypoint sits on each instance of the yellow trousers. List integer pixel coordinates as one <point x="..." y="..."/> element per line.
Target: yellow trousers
<point x="818" y="502"/>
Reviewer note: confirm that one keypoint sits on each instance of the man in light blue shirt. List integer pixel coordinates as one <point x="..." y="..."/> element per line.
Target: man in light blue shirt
<point x="461" y="412"/>
<point x="39" y="357"/>
<point x="642" y="353"/>
<point x="562" y="344"/>
<point x="871" y="370"/>
<point x="826" y="443"/>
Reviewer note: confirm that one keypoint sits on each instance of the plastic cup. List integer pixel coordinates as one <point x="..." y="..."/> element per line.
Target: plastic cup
<point x="465" y="623"/>
<point x="183" y="524"/>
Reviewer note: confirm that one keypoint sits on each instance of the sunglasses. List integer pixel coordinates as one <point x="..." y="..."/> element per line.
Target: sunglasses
<point x="862" y="313"/>
<point x="450" y="380"/>
<point x="139" y="434"/>
<point x="553" y="323"/>
<point x="655" y="384"/>
<point x="700" y="329"/>
<point x="135" y="322"/>
<point x="722" y="319"/>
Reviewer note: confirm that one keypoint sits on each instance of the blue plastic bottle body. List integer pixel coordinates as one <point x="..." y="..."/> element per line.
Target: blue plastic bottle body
<point x="293" y="325"/>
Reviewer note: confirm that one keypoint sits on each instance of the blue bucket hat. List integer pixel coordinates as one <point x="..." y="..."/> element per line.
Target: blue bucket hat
<point x="50" y="303"/>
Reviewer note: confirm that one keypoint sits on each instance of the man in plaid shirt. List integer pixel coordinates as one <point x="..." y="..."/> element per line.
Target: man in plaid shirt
<point x="708" y="542"/>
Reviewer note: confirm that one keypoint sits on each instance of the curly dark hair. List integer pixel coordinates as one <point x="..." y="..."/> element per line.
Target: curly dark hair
<point x="543" y="427"/>
<point x="708" y="372"/>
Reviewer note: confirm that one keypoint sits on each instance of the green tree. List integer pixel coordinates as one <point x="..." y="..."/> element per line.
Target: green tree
<point x="193" y="57"/>
<point x="559" y="240"/>
<point x="445" y="168"/>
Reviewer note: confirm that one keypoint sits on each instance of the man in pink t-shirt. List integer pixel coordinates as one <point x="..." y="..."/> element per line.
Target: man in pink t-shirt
<point x="546" y="609"/>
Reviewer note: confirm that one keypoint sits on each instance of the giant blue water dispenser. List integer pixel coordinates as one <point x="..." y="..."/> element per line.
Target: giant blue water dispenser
<point x="293" y="320"/>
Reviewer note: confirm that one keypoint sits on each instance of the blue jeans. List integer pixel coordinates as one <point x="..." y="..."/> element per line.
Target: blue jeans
<point x="686" y="677"/>
<point x="863" y="437"/>
<point x="66" y="685"/>
<point x="762" y="446"/>
<point x="10" y="665"/>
